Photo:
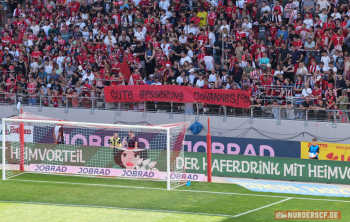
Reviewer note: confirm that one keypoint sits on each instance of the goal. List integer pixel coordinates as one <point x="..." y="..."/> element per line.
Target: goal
<point x="37" y="144"/>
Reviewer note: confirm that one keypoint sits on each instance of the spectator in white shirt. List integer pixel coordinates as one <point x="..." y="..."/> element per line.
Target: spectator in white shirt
<point x="156" y="82"/>
<point x="60" y="59"/>
<point x="225" y="74"/>
<point x="164" y="4"/>
<point x="81" y="24"/>
<point x="35" y="28"/>
<point x="336" y="15"/>
<point x="200" y="81"/>
<point x="192" y="76"/>
<point x="265" y="7"/>
<point x="240" y="3"/>
<point x="165" y="46"/>
<point x="308" y="21"/>
<point x="324" y="4"/>
<point x="209" y="60"/>
<point x="185" y="57"/>
<point x="163" y="17"/>
<point x="191" y="29"/>
<point x="246" y="26"/>
<point x="331" y="67"/>
<point x="180" y="78"/>
<point x="225" y="25"/>
<point x="212" y="76"/>
<point x="110" y="39"/>
<point x="212" y="37"/>
<point x="183" y="38"/>
<point x="140" y="36"/>
<point x="46" y="27"/>
<point x="88" y="76"/>
<point x="189" y="51"/>
<point x="306" y="91"/>
<point x="326" y="60"/>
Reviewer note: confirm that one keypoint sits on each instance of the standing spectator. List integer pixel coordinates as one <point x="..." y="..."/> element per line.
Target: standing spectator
<point x="288" y="69"/>
<point x="150" y="58"/>
<point x="340" y="84"/>
<point x="283" y="53"/>
<point x="296" y="57"/>
<point x="31" y="90"/>
<point x="202" y="15"/>
<point x="208" y="60"/>
<point x="343" y="100"/>
<point x="308" y="5"/>
<point x="140" y="51"/>
<point x="236" y="73"/>
<point x="289" y="110"/>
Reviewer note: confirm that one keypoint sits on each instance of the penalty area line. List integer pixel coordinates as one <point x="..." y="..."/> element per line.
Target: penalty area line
<point x="177" y="190"/>
<point x="263" y="207"/>
<point x="116" y="208"/>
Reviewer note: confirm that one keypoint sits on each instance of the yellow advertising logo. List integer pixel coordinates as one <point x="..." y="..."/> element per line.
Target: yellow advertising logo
<point x="328" y="151"/>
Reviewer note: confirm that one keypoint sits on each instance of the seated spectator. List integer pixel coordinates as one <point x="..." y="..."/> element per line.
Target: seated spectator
<point x="151" y="80"/>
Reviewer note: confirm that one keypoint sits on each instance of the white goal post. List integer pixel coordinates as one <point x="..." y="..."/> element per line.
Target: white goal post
<point x="37" y="144"/>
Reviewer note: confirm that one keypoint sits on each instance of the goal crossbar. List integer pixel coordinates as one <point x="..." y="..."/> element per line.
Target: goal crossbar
<point x="162" y="127"/>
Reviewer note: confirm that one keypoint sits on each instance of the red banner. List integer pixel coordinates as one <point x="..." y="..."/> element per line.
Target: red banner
<point x="181" y="94"/>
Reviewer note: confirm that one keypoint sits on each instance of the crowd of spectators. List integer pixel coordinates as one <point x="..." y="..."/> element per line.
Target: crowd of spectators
<point x="286" y="54"/>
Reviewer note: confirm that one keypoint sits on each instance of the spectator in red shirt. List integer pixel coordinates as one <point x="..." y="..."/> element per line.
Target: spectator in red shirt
<point x="316" y="93"/>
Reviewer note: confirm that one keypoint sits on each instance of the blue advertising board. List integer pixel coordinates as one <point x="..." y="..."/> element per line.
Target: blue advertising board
<point x="244" y="146"/>
<point x="150" y="140"/>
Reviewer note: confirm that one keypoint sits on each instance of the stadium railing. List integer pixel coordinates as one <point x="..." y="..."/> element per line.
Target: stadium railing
<point x="98" y="103"/>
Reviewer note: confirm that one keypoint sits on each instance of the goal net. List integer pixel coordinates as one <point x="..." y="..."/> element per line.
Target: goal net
<point x="37" y="144"/>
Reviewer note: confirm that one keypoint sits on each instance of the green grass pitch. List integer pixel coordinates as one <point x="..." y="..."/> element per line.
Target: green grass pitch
<point x="38" y="197"/>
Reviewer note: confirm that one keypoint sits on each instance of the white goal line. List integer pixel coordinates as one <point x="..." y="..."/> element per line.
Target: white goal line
<point x="177" y="190"/>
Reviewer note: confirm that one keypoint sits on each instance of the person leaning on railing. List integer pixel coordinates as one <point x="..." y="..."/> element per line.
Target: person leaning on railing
<point x="320" y="109"/>
<point x="10" y="96"/>
<point x="256" y="104"/>
<point x="330" y="102"/>
<point x="341" y="115"/>
<point x="343" y="100"/>
<point x="306" y="104"/>
<point x="275" y="109"/>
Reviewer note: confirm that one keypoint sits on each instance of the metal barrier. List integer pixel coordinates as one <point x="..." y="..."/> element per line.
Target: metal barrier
<point x="300" y="114"/>
<point x="8" y="99"/>
<point x="278" y="112"/>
